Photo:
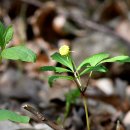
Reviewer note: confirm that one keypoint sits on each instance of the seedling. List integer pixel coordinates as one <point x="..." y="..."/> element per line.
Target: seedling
<point x="13" y="53"/>
<point x="87" y="66"/>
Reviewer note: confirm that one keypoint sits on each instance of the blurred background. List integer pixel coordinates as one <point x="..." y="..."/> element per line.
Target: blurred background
<point x="88" y="27"/>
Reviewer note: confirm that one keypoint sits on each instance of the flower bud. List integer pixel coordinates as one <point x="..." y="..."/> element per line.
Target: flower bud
<point x="64" y="50"/>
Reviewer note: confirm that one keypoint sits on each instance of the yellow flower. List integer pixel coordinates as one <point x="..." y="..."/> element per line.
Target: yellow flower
<point x="64" y="50"/>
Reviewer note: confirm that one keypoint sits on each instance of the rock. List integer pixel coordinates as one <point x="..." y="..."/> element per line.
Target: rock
<point x="95" y="43"/>
<point x="120" y="88"/>
<point x="101" y="107"/>
<point x="8" y="125"/>
<point x="128" y="90"/>
<point x="15" y="84"/>
<point x="126" y="119"/>
<point x="42" y="127"/>
<point x="105" y="85"/>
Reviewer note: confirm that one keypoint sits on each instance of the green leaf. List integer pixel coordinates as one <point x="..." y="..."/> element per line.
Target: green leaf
<point x="55" y="77"/>
<point x="67" y="108"/>
<point x="117" y="59"/>
<point x="98" y="68"/>
<point x="65" y="60"/>
<point x="19" y="53"/>
<point x="55" y="69"/>
<point x="93" y="60"/>
<point x="8" y="34"/>
<point x="71" y="97"/>
<point x="12" y="116"/>
<point x="2" y="29"/>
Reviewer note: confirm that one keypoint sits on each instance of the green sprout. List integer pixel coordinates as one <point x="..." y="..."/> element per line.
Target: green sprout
<point x="13" y="53"/>
<point x="87" y="66"/>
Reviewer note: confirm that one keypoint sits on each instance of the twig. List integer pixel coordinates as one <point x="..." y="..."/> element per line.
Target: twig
<point x="99" y="27"/>
<point x="41" y="118"/>
<point x="119" y="126"/>
<point x="104" y="29"/>
<point x="33" y="2"/>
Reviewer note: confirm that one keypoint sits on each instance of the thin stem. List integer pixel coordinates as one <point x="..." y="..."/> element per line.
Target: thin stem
<point x="89" y="77"/>
<point x="0" y="59"/>
<point x="2" y="48"/>
<point x="77" y="77"/>
<point x="79" y="85"/>
<point x="77" y="80"/>
<point x="85" y="104"/>
<point x="86" y="113"/>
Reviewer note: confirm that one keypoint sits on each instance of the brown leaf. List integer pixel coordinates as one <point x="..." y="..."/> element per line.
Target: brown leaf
<point x="123" y="29"/>
<point x="113" y="9"/>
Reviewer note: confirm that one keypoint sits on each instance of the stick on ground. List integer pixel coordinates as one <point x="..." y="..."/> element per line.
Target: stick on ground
<point x="41" y="118"/>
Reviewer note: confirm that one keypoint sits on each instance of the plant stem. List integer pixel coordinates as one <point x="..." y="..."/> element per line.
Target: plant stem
<point x="0" y="59"/>
<point x="2" y="48"/>
<point x="79" y="85"/>
<point x="82" y="90"/>
<point x="86" y="113"/>
<point x="89" y="77"/>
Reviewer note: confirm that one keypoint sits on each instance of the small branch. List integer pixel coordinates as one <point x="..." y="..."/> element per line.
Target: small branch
<point x="33" y="2"/>
<point x="85" y="23"/>
<point x="41" y="118"/>
<point x="95" y="26"/>
<point x="119" y="126"/>
<point x="38" y="115"/>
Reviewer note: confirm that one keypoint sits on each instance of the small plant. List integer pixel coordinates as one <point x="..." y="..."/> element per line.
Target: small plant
<point x="87" y="66"/>
<point x="14" y="53"/>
